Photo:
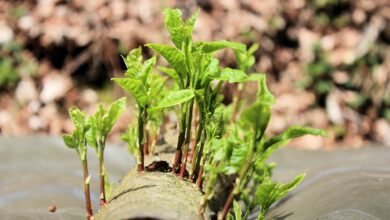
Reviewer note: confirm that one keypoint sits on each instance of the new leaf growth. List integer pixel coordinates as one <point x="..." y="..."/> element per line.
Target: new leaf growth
<point x="144" y="87"/>
<point x="101" y="124"/>
<point x="76" y="140"/>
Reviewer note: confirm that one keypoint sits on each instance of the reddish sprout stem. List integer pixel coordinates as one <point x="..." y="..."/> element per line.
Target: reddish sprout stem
<point x="199" y="180"/>
<point x="101" y="177"/>
<point x="227" y="206"/>
<point x="88" y="206"/>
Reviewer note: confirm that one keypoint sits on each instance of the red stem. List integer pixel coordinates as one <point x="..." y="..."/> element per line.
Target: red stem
<point x="195" y="125"/>
<point x="147" y="141"/>
<point x="199" y="180"/>
<point x="140" y="167"/>
<point x="177" y="159"/>
<point x="178" y="154"/>
<point x="228" y="204"/>
<point x="184" y="163"/>
<point x="88" y="206"/>
<point x="101" y="175"/>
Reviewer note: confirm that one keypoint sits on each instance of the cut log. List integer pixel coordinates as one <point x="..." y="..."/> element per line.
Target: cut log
<point x="152" y="195"/>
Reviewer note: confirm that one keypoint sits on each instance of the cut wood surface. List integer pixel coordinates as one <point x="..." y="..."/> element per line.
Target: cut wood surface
<point x="152" y="195"/>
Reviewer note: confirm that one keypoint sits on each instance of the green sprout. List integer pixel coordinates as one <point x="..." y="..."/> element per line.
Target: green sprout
<point x="77" y="140"/>
<point x="143" y="86"/>
<point x="245" y="61"/>
<point x="193" y="68"/>
<point x="101" y="124"/>
<point x="243" y="154"/>
<point x="222" y="145"/>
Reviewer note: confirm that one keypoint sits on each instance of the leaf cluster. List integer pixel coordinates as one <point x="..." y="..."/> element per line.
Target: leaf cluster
<point x="102" y="121"/>
<point x="92" y="130"/>
<point x="238" y="150"/>
<point x="243" y="154"/>
<point x="76" y="140"/>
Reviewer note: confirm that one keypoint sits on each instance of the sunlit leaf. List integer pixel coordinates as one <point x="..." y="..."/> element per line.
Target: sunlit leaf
<point x="237" y="210"/>
<point x="173" y="74"/>
<point x="231" y="75"/>
<point x="209" y="47"/>
<point x="246" y="59"/>
<point x="270" y="192"/>
<point x="134" y="58"/>
<point x="77" y="117"/>
<point x="175" y="25"/>
<point x="275" y="142"/>
<point x="174" y="98"/>
<point x="147" y="68"/>
<point x="174" y="56"/>
<point x="91" y="135"/>
<point x="136" y="88"/>
<point x="257" y="116"/>
<point x="256" y="77"/>
<point x="69" y="141"/>
<point x="130" y="137"/>
<point x="113" y="113"/>
<point x="263" y="93"/>
<point x="179" y="30"/>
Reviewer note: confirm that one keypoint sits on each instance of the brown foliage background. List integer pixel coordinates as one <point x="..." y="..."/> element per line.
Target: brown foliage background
<point x="328" y="61"/>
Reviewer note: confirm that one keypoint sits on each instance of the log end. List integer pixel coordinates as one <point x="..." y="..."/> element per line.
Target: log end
<point x="152" y="195"/>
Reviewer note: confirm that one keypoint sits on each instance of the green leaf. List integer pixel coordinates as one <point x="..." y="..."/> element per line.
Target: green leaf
<point x="77" y="117"/>
<point x="173" y="74"/>
<point x="253" y="49"/>
<point x="174" y="98"/>
<point x="191" y="21"/>
<point x="285" y="188"/>
<point x="237" y="210"/>
<point x="254" y="77"/>
<point x="231" y="75"/>
<point x="133" y="63"/>
<point x="174" y="56"/>
<point x="209" y="47"/>
<point x="257" y="116"/>
<point x="275" y="142"/>
<point x="134" y="58"/>
<point x="199" y="96"/>
<point x="179" y="30"/>
<point x="208" y="68"/>
<point x="69" y="141"/>
<point x="130" y="137"/>
<point x="270" y="192"/>
<point x="238" y="155"/>
<point x="136" y="88"/>
<point x="108" y="186"/>
<point x="147" y="68"/>
<point x="175" y="25"/>
<point x="113" y="113"/>
<point x="245" y="60"/>
<point x="263" y="94"/>
<point x="156" y="86"/>
<point x="76" y="140"/>
<point x="91" y="135"/>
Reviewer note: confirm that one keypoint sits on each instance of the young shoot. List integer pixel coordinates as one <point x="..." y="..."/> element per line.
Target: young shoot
<point x="193" y="68"/>
<point x="243" y="153"/>
<point x="145" y="87"/>
<point x="101" y="124"/>
<point x="77" y="141"/>
<point x="245" y="61"/>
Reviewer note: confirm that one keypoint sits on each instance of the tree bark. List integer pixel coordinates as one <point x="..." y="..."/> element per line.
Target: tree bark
<point x="153" y="195"/>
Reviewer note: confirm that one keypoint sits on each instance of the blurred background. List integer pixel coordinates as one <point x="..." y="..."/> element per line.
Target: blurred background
<point x="327" y="61"/>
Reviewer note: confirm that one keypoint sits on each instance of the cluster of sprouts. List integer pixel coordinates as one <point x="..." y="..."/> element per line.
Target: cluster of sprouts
<point x="214" y="140"/>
